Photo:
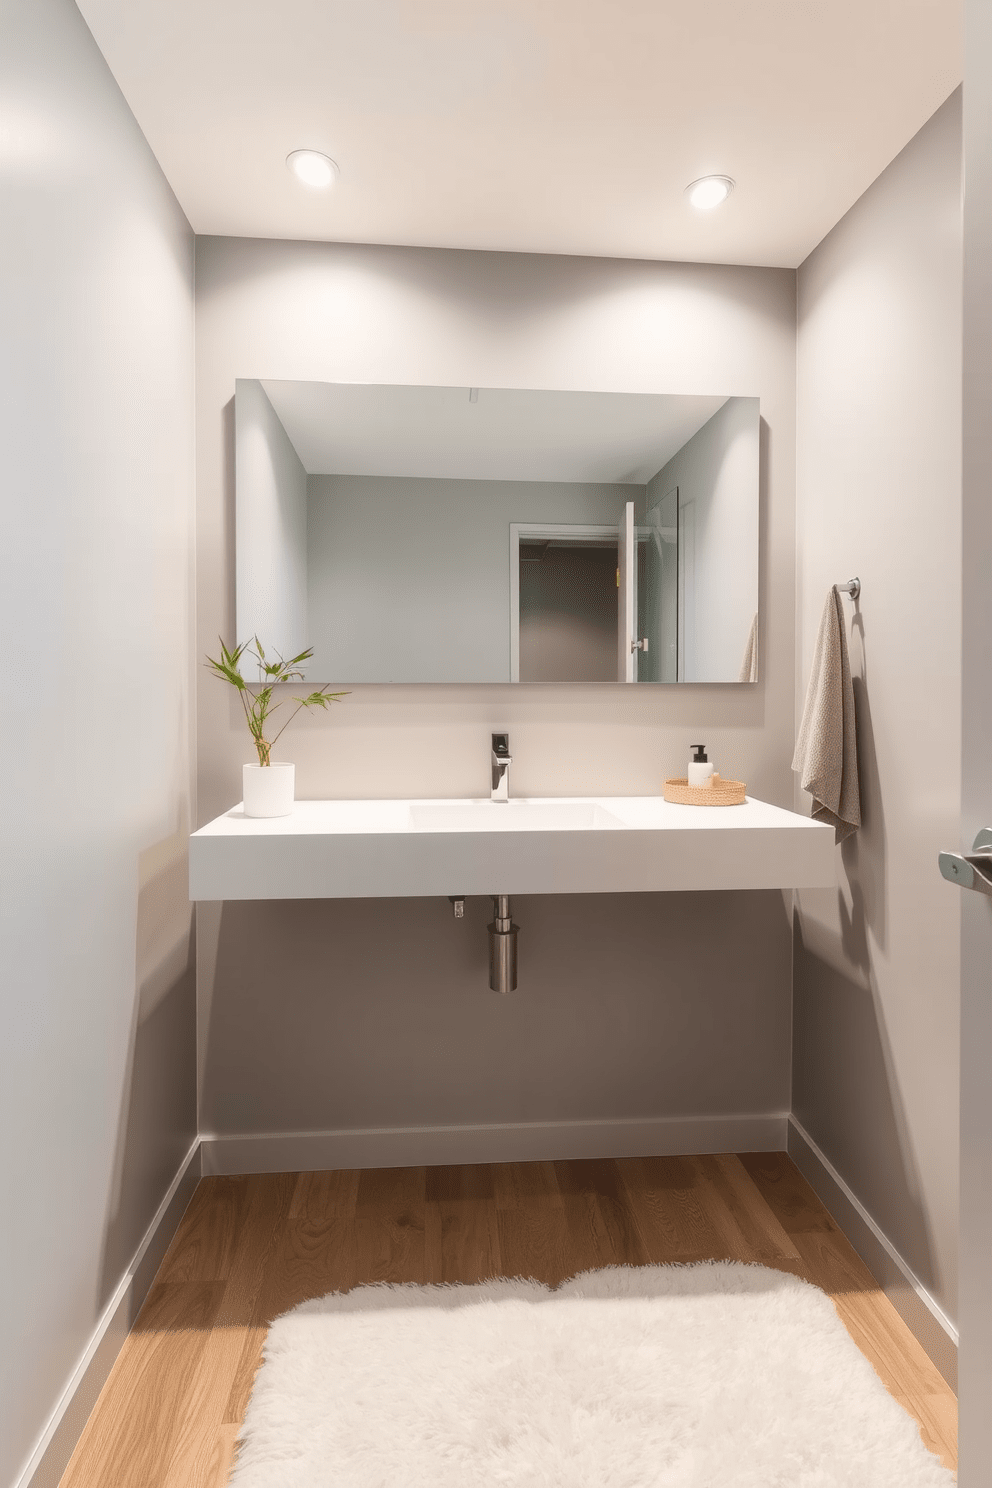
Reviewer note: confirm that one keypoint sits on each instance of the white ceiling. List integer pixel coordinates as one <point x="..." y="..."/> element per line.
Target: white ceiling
<point x="512" y="434"/>
<point x="555" y="126"/>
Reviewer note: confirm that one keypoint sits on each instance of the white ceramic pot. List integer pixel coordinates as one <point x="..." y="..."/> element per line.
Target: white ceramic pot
<point x="269" y="789"/>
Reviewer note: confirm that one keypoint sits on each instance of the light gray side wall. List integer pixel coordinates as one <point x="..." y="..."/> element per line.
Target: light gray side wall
<point x="96" y="994"/>
<point x="877" y="965"/>
<point x="271" y="538"/>
<point x="339" y="1015"/>
<point x="716" y="471"/>
<point x="410" y="579"/>
<point x="976" y="794"/>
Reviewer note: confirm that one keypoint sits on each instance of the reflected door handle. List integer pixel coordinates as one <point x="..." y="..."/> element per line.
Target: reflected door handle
<point x="639" y="645"/>
<point x="973" y="871"/>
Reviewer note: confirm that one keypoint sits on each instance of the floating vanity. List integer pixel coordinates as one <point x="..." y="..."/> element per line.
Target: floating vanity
<point x="561" y="845"/>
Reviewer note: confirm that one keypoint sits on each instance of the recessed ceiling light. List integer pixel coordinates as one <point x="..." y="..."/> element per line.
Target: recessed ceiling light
<point x="312" y="168"/>
<point x="709" y="192"/>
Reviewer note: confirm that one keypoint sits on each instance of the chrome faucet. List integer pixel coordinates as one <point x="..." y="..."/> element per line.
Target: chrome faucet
<point x="501" y="761"/>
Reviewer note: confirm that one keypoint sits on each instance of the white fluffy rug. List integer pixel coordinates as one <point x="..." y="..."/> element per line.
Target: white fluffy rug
<point x="711" y="1376"/>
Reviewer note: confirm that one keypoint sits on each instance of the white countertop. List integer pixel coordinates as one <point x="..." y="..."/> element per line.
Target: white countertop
<point x="572" y="845"/>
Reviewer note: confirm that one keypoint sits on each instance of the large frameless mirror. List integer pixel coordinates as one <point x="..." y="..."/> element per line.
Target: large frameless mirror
<point x="429" y="534"/>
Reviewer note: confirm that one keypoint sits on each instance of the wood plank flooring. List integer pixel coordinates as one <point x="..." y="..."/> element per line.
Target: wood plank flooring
<point x="251" y="1247"/>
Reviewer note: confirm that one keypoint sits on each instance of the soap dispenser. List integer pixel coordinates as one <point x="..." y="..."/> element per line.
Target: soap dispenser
<point x="700" y="769"/>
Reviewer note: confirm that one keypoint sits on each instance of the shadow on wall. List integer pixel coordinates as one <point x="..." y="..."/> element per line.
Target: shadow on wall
<point x="846" y="1096"/>
<point x="845" y="1090"/>
<point x="158" y="1105"/>
<point x="329" y="1015"/>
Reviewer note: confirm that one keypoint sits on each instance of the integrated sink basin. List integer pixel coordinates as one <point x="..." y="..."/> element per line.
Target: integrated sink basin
<point x="512" y="816"/>
<point x="559" y="845"/>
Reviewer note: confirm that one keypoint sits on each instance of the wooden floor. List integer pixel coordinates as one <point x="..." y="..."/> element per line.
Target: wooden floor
<point x="251" y="1247"/>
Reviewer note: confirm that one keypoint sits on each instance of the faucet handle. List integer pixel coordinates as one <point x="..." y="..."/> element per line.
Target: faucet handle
<point x="501" y="746"/>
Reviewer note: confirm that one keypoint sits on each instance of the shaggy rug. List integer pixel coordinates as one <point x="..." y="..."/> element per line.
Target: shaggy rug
<point x="711" y="1376"/>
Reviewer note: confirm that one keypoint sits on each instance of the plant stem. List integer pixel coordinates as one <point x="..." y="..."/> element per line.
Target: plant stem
<point x="288" y="722"/>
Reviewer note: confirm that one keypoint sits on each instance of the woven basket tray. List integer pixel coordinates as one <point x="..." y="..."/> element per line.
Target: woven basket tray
<point x="720" y="793"/>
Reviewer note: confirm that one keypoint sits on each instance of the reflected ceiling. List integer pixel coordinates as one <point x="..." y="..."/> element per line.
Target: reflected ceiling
<point x="513" y="434"/>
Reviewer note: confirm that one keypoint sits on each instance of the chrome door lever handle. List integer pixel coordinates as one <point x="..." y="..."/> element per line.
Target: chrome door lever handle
<point x="957" y="869"/>
<point x="973" y="870"/>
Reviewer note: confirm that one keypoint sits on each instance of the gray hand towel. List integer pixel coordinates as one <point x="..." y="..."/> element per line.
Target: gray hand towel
<point x="749" y="666"/>
<point x="826" y="758"/>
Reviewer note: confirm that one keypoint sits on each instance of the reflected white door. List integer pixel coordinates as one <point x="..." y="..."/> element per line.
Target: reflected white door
<point x="626" y="597"/>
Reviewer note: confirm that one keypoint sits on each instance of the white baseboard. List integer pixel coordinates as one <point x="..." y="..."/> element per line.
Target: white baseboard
<point x="918" y="1309"/>
<point x="537" y="1141"/>
<point x="49" y="1460"/>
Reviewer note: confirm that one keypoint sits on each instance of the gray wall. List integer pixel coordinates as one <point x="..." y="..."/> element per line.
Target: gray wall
<point x="271" y="538"/>
<point x="97" y="1096"/>
<point x="976" y="794"/>
<point x="287" y="1022"/>
<point x="877" y="966"/>
<point x="409" y="580"/>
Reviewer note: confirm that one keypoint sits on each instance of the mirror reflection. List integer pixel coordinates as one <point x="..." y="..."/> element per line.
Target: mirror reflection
<point x="428" y="534"/>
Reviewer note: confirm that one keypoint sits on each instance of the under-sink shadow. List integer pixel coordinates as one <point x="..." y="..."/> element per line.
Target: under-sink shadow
<point x="334" y="1015"/>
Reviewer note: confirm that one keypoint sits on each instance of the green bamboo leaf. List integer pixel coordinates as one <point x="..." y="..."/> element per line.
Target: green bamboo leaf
<point x="227" y="673"/>
<point x="260" y="705"/>
<point x="320" y="699"/>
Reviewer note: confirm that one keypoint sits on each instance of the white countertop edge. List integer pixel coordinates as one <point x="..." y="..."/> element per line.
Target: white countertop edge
<point x="345" y="817"/>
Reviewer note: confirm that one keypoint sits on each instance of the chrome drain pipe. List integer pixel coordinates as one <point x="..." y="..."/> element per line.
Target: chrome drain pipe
<point x="502" y="947"/>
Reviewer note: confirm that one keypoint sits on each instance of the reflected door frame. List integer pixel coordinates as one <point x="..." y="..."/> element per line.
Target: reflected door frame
<point x="574" y="532"/>
<point x="627" y="596"/>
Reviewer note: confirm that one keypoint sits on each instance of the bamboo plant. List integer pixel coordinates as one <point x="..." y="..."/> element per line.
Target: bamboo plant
<point x="257" y="700"/>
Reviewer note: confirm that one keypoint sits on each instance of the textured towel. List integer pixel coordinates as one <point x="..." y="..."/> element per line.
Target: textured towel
<point x="826" y="758"/>
<point x="749" y="666"/>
